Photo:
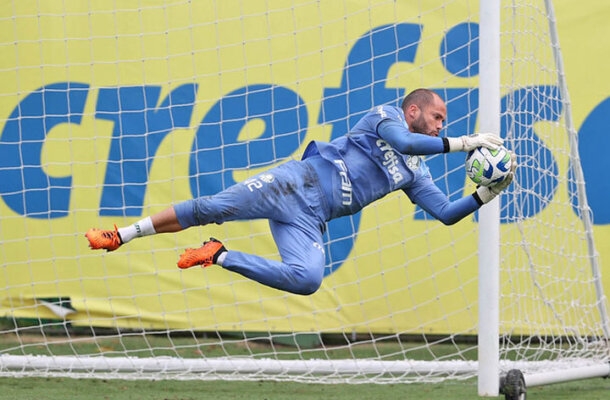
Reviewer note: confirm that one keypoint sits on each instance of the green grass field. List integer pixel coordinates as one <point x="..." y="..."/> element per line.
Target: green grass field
<point x="93" y="389"/>
<point x="67" y="388"/>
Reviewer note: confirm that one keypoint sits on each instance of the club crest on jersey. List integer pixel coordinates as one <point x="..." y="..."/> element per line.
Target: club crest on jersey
<point x="413" y="162"/>
<point x="267" y="178"/>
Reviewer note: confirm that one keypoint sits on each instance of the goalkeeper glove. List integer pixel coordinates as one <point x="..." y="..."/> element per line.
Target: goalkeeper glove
<point x="487" y="193"/>
<point x="471" y="142"/>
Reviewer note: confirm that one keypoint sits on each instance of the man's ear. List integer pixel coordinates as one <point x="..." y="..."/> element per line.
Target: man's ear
<point x="413" y="111"/>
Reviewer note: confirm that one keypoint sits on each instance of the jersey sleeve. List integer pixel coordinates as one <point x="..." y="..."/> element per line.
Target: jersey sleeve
<point x="370" y="122"/>
<point x="432" y="200"/>
<point x="406" y="142"/>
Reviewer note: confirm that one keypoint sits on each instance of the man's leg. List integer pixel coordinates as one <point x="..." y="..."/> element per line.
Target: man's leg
<point x="238" y="202"/>
<point x="302" y="267"/>
<point x="164" y="221"/>
<point x="294" y="224"/>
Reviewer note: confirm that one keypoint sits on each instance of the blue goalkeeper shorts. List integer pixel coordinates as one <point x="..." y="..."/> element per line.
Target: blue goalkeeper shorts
<point x="291" y="198"/>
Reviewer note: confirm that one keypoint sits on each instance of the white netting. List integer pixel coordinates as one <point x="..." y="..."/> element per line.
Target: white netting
<point x="111" y="112"/>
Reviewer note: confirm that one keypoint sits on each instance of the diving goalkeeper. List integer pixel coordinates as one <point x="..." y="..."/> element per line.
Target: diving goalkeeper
<point x="382" y="153"/>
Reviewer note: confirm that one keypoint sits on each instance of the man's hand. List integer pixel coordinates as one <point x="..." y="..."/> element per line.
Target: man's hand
<point x="471" y="142"/>
<point x="488" y="193"/>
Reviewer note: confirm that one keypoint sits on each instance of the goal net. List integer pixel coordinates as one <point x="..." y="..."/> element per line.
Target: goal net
<point x="112" y="112"/>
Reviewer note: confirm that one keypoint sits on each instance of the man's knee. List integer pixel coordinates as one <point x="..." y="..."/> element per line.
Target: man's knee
<point x="306" y="281"/>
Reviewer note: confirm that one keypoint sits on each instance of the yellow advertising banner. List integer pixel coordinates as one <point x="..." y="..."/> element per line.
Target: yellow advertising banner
<point x="109" y="114"/>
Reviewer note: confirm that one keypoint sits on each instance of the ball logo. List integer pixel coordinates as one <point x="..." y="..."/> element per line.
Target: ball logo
<point x="486" y="167"/>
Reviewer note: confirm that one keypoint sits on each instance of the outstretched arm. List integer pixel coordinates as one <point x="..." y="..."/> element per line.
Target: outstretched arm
<point x="406" y="142"/>
<point x="430" y="198"/>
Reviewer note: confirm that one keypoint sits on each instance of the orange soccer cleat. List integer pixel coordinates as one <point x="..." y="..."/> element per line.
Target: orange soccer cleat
<point x="206" y="255"/>
<point x="104" y="239"/>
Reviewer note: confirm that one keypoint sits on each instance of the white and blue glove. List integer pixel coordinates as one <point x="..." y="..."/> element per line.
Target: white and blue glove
<point x="471" y="142"/>
<point x="488" y="193"/>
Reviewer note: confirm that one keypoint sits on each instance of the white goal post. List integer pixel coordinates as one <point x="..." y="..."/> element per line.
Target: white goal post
<point x="489" y="234"/>
<point x="112" y="112"/>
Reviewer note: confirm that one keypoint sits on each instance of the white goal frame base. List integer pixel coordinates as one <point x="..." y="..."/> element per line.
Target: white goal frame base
<point x="536" y="373"/>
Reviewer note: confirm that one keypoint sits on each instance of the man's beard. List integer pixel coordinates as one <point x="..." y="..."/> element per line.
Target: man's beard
<point x="419" y="126"/>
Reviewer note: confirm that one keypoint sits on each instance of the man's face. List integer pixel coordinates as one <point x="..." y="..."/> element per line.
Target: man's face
<point x="428" y="120"/>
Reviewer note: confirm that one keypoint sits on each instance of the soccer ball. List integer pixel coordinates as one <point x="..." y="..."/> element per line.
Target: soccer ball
<point x="486" y="167"/>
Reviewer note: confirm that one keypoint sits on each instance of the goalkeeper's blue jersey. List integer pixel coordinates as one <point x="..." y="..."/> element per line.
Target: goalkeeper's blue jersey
<point x="367" y="167"/>
<point x="334" y="179"/>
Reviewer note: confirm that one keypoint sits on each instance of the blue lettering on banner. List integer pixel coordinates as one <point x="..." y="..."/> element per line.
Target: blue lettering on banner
<point x="26" y="188"/>
<point x="139" y="128"/>
<point x="142" y="119"/>
<point x="217" y="152"/>
<point x="592" y="144"/>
